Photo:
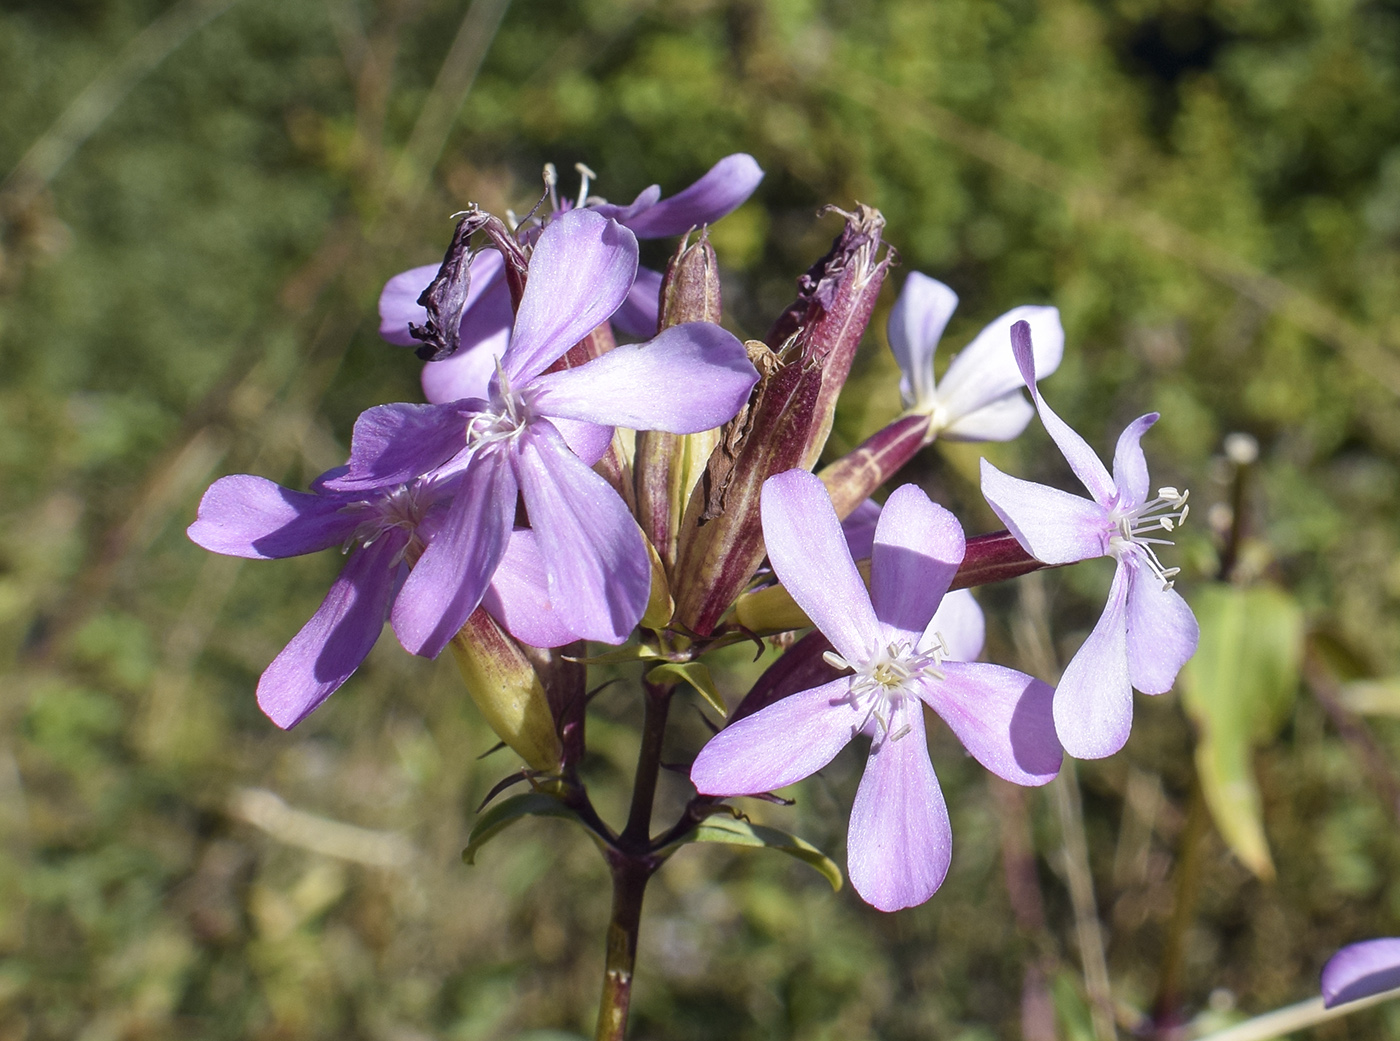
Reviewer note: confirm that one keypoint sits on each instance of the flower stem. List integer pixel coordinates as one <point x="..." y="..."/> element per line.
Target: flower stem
<point x="632" y="864"/>
<point x="629" y="877"/>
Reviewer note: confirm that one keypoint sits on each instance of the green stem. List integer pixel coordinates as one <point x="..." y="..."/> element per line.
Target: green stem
<point x="1167" y="1010"/>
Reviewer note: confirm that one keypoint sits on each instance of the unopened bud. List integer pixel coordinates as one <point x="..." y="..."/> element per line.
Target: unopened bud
<point x="507" y="690"/>
<point x="852" y="478"/>
<point x="784" y="425"/>
<point x="668" y="466"/>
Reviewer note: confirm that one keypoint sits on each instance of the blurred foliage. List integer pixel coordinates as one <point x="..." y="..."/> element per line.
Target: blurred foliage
<point x="1208" y="189"/>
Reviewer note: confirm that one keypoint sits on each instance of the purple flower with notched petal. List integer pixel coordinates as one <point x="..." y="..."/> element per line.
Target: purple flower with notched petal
<point x="900" y="839"/>
<point x="1360" y="970"/>
<point x="537" y="436"/>
<point x="486" y="316"/>
<point x="247" y="516"/>
<point x="979" y="397"/>
<point x="1147" y="632"/>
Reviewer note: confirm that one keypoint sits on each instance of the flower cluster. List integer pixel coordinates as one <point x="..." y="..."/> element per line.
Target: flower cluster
<point x="559" y="487"/>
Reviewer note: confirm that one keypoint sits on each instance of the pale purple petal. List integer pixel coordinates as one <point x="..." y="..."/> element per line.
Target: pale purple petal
<point x="986" y="370"/>
<point x="859" y="529"/>
<point x="637" y="317"/>
<point x="392" y="444"/>
<point x="447" y="583"/>
<point x="481" y="312"/>
<point x="1001" y="716"/>
<point x="1162" y="631"/>
<point x="723" y="189"/>
<point x="1130" y="465"/>
<point x="246" y="516"/>
<point x="467" y="374"/>
<point x="580" y="272"/>
<point x="1081" y="458"/>
<point x="778" y="746"/>
<point x="1094" y="701"/>
<point x="962" y="625"/>
<point x="1051" y="525"/>
<point x="518" y="596"/>
<point x="691" y="377"/>
<point x="335" y="641"/>
<point x="808" y="553"/>
<point x="1360" y="970"/>
<point x="999" y="420"/>
<point x="918" y="547"/>
<point x="916" y="322"/>
<point x="645" y="200"/>
<point x="588" y="441"/>
<point x="900" y="840"/>
<point x="595" y="557"/>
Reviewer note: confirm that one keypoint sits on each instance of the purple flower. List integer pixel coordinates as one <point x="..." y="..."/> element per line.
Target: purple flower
<point x="979" y="397"/>
<point x="1147" y="631"/>
<point x="246" y="516"/>
<point x="1360" y="970"/>
<point x="538" y="435"/>
<point x="900" y="840"/>
<point x="486" y="317"/>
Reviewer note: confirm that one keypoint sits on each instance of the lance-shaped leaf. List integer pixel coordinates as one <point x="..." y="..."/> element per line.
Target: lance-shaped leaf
<point x="736" y="831"/>
<point x="695" y="673"/>
<point x="1239" y="690"/>
<point x="505" y="813"/>
<point x="507" y="690"/>
<point x="785" y="424"/>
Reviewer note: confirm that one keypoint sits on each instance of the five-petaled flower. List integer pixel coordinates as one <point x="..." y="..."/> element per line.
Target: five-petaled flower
<point x="900" y="839"/>
<point x="486" y="315"/>
<point x="246" y="516"/>
<point x="979" y="397"/>
<point x="536" y="438"/>
<point x="1147" y="632"/>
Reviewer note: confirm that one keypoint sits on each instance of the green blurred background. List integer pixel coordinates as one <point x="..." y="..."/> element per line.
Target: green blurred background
<point x="207" y="198"/>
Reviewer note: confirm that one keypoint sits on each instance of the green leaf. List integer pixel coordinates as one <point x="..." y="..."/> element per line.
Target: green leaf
<point x="697" y="674"/>
<point x="1239" y="689"/>
<point x="506" y="813"/>
<point x="736" y="831"/>
<point x="632" y="652"/>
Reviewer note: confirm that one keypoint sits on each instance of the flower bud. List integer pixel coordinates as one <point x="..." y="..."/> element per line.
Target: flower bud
<point x="668" y="466"/>
<point x="801" y="368"/>
<point x="507" y="690"/>
<point x="852" y="478"/>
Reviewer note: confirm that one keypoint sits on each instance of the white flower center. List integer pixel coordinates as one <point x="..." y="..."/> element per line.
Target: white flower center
<point x="504" y="420"/>
<point x="402" y="507"/>
<point x="884" y="686"/>
<point x="1133" y="528"/>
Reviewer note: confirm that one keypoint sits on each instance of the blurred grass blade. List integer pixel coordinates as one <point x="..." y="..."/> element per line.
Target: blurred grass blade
<point x="1239" y="689"/>
<point x="1373" y="697"/>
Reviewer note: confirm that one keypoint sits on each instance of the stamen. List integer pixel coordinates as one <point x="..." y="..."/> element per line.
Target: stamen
<point x="551" y="181"/>
<point x="836" y="661"/>
<point x="585" y="175"/>
<point x="1166" y="513"/>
